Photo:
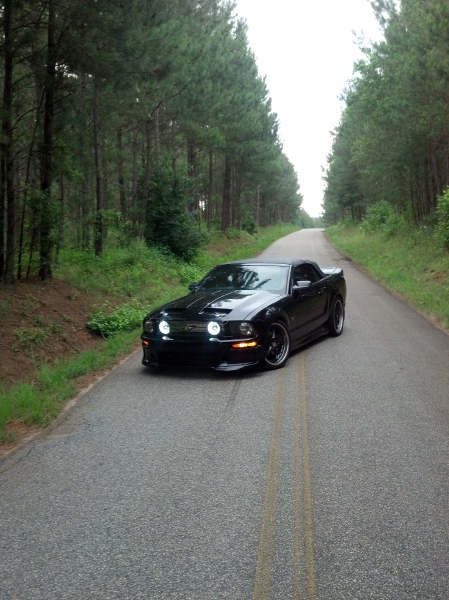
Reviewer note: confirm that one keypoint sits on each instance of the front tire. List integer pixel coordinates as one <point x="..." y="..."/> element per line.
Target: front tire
<point x="336" y="318"/>
<point x="277" y="346"/>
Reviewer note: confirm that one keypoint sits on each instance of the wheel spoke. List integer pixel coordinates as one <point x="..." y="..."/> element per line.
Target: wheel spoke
<point x="336" y="318"/>
<point x="277" y="346"/>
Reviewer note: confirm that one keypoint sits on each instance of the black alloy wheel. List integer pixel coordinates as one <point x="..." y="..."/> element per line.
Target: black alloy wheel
<point x="337" y="317"/>
<point x="277" y="346"/>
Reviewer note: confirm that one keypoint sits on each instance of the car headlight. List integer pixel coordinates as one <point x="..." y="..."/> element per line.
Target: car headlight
<point x="164" y="327"/>
<point x="148" y="326"/>
<point x="213" y="328"/>
<point x="246" y="328"/>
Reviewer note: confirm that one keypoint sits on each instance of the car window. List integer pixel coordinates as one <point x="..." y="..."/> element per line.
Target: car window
<point x="305" y="272"/>
<point x="272" y="278"/>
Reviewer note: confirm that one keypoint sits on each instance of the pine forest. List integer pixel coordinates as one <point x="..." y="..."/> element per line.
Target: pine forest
<point x="142" y="119"/>
<point x="390" y="153"/>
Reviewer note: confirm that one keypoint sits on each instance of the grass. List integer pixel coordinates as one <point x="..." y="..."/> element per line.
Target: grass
<point x="133" y="278"/>
<point x="38" y="403"/>
<point x="409" y="262"/>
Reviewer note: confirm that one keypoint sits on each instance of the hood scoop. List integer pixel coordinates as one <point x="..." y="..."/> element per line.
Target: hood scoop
<point x="216" y="312"/>
<point x="173" y="311"/>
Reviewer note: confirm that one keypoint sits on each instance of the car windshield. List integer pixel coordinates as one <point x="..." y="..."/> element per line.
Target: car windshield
<point x="272" y="278"/>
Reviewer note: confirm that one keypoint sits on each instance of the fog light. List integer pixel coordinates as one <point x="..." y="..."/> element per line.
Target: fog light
<point x="149" y="327"/>
<point x="246" y="328"/>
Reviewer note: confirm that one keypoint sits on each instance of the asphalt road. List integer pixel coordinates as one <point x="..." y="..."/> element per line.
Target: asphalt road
<point x="328" y="479"/>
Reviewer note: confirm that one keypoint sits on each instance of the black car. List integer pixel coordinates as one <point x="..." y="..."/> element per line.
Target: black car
<point x="246" y="313"/>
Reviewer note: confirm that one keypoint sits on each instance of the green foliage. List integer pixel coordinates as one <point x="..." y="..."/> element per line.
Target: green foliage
<point x="442" y="228"/>
<point x="125" y="318"/>
<point x="381" y="216"/>
<point x="40" y="402"/>
<point x="411" y="263"/>
<point x="33" y="335"/>
<point x="232" y="233"/>
<point x="150" y="274"/>
<point x="306" y="221"/>
<point x="170" y="224"/>
<point x="124" y="270"/>
<point x="391" y="142"/>
<point x="250" y="227"/>
<point x="189" y="273"/>
<point x="169" y="79"/>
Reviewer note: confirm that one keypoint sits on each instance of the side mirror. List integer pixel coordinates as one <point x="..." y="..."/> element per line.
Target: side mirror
<point x="301" y="285"/>
<point x="193" y="286"/>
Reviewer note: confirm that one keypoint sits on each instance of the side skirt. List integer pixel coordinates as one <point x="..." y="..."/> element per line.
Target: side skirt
<point x="312" y="336"/>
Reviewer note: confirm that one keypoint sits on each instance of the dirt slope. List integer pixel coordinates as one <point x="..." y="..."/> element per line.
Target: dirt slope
<point x="41" y="321"/>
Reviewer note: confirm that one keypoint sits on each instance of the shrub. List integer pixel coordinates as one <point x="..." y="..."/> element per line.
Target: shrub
<point x="126" y="318"/>
<point x="170" y="224"/>
<point x="250" y="227"/>
<point x="232" y="233"/>
<point x="189" y="273"/>
<point x="442" y="228"/>
<point x="381" y="216"/>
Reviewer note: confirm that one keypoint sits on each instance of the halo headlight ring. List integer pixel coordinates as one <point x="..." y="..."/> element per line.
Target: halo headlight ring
<point x="213" y="328"/>
<point x="164" y="327"/>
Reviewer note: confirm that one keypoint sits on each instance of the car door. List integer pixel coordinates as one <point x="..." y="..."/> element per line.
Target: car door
<point x="307" y="308"/>
<point x="319" y="292"/>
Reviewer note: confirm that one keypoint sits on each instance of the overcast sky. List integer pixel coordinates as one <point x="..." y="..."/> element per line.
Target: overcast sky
<point x="306" y="49"/>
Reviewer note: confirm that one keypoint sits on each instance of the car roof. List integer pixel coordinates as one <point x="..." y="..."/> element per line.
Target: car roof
<point x="270" y="261"/>
<point x="283" y="261"/>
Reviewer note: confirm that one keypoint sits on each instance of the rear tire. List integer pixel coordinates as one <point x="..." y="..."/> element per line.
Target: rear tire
<point x="336" y="318"/>
<point x="277" y="346"/>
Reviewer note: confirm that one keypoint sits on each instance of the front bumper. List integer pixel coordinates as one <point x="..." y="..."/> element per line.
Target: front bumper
<point x="210" y="352"/>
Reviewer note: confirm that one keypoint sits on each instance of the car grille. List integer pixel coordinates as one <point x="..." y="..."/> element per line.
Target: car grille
<point x="188" y="327"/>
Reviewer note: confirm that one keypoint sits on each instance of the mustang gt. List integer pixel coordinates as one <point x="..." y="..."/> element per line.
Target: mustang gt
<point x="247" y="313"/>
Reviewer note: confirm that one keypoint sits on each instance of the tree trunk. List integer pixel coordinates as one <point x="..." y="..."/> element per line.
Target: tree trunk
<point x="32" y="225"/>
<point x="209" y="191"/>
<point x="46" y="224"/>
<point x="436" y="172"/>
<point x="235" y="201"/>
<point x="28" y="177"/>
<point x="2" y="213"/>
<point x="98" y="242"/>
<point x="192" y="172"/>
<point x="146" y="181"/>
<point x="121" y="177"/>
<point x="61" y="216"/>
<point x="7" y="161"/>
<point x="226" y="203"/>
<point x="85" y="209"/>
<point x="157" y="138"/>
<point x="173" y="145"/>
<point x="258" y="207"/>
<point x="134" y="182"/>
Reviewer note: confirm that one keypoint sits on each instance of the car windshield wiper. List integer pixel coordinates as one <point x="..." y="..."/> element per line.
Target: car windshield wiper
<point x="262" y="283"/>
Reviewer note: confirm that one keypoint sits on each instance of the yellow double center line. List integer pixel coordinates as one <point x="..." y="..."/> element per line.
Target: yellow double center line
<point x="266" y="540"/>
<point x="304" y="581"/>
<point x="304" y="558"/>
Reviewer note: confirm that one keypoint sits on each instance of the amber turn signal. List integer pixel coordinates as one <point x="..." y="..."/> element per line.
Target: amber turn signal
<point x="245" y="345"/>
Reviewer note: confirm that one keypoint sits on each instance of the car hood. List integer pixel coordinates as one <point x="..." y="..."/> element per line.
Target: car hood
<point x="229" y="305"/>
